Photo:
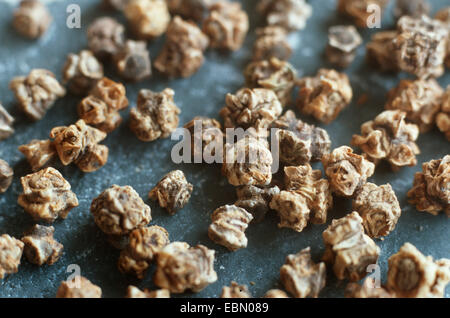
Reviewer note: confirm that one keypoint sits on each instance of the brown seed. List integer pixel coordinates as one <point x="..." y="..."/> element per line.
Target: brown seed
<point x="325" y="95"/>
<point x="6" y="176"/>
<point x="419" y="99"/>
<point x="342" y="44"/>
<point x="301" y="276"/>
<point x="133" y="61"/>
<point x="118" y="5"/>
<point x="190" y="9"/>
<point x="226" y="25"/>
<point x="289" y="14"/>
<point x="39" y="153"/>
<point x="181" y="268"/>
<point x="81" y="71"/>
<point x="6" y="124"/>
<point x="156" y="115"/>
<point x="172" y="192"/>
<point x="119" y="210"/>
<point x="380" y="51"/>
<point x="274" y="74"/>
<point x="206" y="134"/>
<point x="275" y="293"/>
<point x="148" y="19"/>
<point x="443" y="117"/>
<point x="412" y="8"/>
<point x="228" y="226"/>
<point x="78" y="287"/>
<point x="235" y="291"/>
<point x="256" y="199"/>
<point x="40" y="246"/>
<point x="47" y="195"/>
<point x="182" y="53"/>
<point x="144" y="244"/>
<point x="347" y="172"/>
<point x="298" y="142"/>
<point x="37" y="92"/>
<point x="271" y="42"/>
<point x="348" y="249"/>
<point x="256" y="108"/>
<point x="134" y="292"/>
<point x="378" y="207"/>
<point x="31" y="19"/>
<point x="105" y="37"/>
<point x="368" y="289"/>
<point x="78" y="144"/>
<point x="430" y="192"/>
<point x="11" y="251"/>
<point x="389" y="137"/>
<point x="413" y="275"/>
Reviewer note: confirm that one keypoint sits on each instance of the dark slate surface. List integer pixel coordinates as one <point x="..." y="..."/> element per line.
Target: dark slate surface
<point x="141" y="165"/>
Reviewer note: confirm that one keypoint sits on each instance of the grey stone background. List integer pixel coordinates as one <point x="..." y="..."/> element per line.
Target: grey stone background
<point x="141" y="165"/>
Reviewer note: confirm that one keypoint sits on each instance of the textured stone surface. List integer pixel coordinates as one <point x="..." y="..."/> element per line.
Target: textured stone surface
<point x="142" y="164"/>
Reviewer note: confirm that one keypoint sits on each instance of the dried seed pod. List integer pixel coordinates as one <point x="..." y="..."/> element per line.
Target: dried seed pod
<point x="118" y="5"/>
<point x="380" y="51"/>
<point x="6" y="123"/>
<point x="81" y="71"/>
<point x="443" y="117"/>
<point x="248" y="162"/>
<point x="78" y="143"/>
<point x="235" y="291"/>
<point x="378" y="207"/>
<point x="301" y="276"/>
<point x="413" y="275"/>
<point x="190" y="9"/>
<point x="420" y="99"/>
<point x="172" y="192"/>
<point x="368" y="289"/>
<point x="271" y="42"/>
<point x="101" y="107"/>
<point x="134" y="292"/>
<point x="256" y="108"/>
<point x="360" y="10"/>
<point x="31" y="19"/>
<point x="78" y="287"/>
<point x="307" y="198"/>
<point x="430" y="192"/>
<point x="144" y="244"/>
<point x="389" y="137"/>
<point x="412" y="8"/>
<point x="155" y="116"/>
<point x="274" y="74"/>
<point x="6" y="176"/>
<point x="10" y="254"/>
<point x="148" y="19"/>
<point x="40" y="246"/>
<point x="182" y="53"/>
<point x="47" y="195"/>
<point x="347" y="172"/>
<point x="421" y="46"/>
<point x="226" y="25"/>
<point x="105" y="37"/>
<point x="275" y="293"/>
<point x="228" y="226"/>
<point x="181" y="267"/>
<point x="132" y="61"/>
<point x="119" y="210"/>
<point x="206" y="133"/>
<point x="325" y="95"/>
<point x="289" y="14"/>
<point x="342" y="44"/>
<point x="37" y="92"/>
<point x="443" y="15"/>
<point x="348" y="248"/>
<point x="256" y="200"/>
<point x="298" y="142"/>
<point x="112" y="93"/>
